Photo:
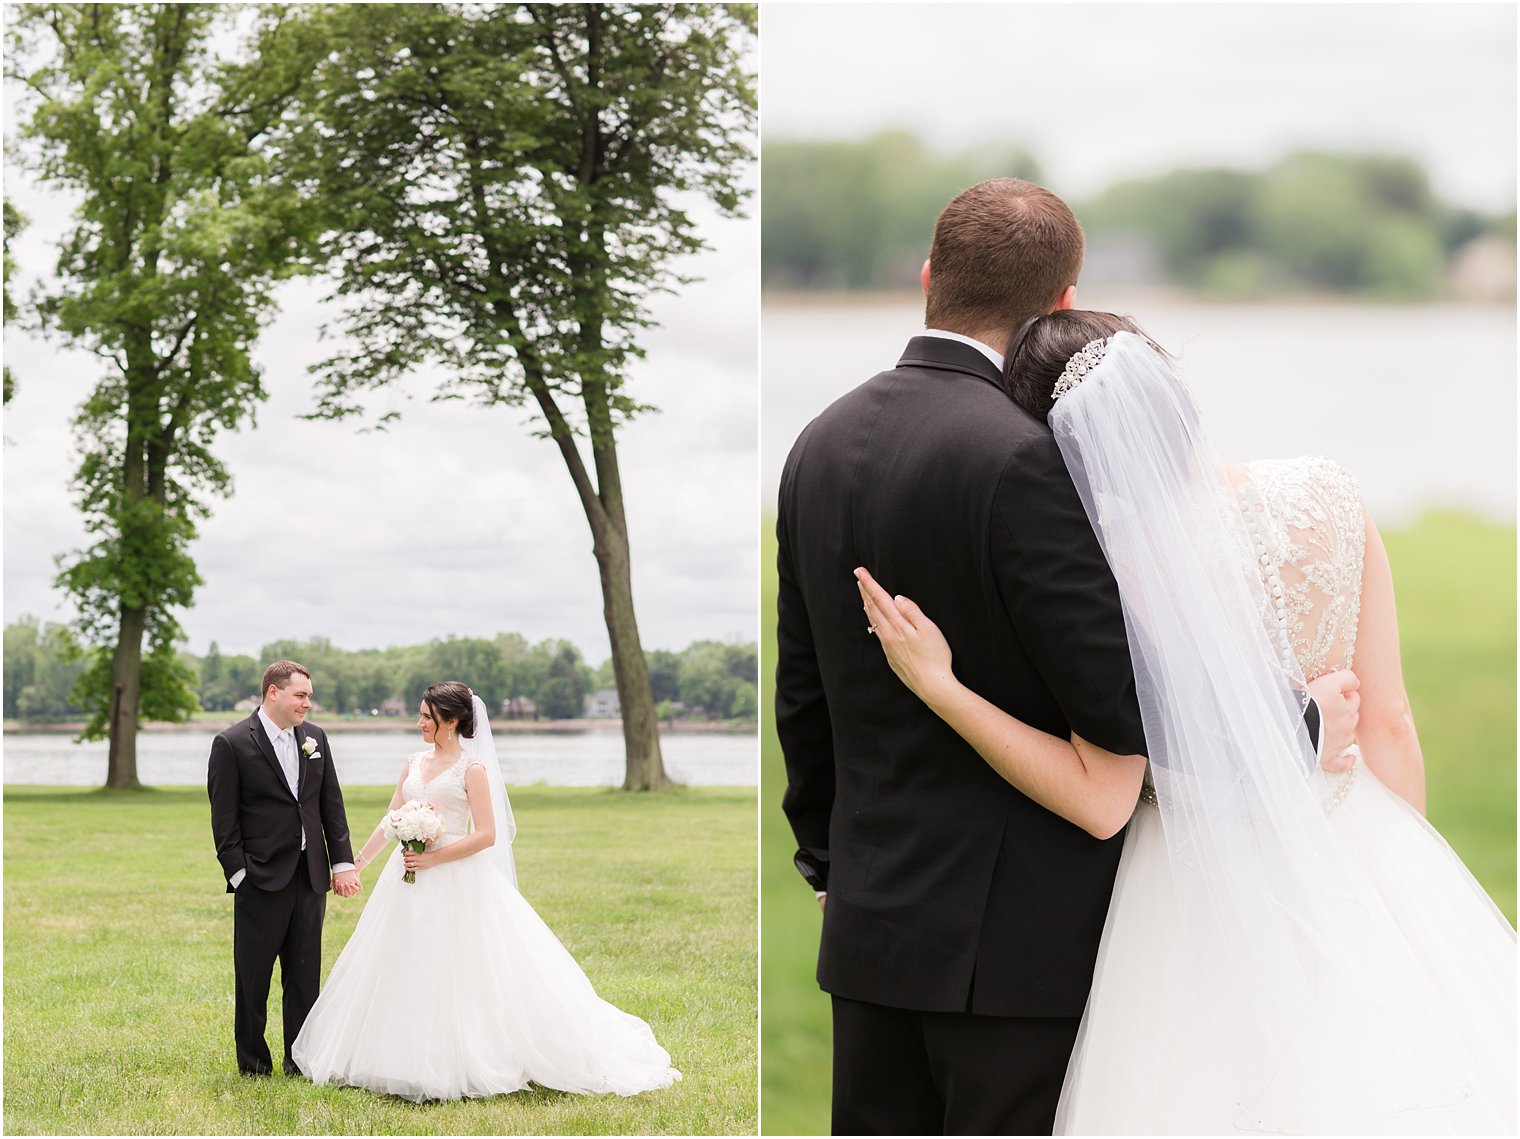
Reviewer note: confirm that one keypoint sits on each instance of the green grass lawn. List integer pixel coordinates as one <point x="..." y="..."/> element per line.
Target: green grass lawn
<point x="1455" y="581"/>
<point x="118" y="965"/>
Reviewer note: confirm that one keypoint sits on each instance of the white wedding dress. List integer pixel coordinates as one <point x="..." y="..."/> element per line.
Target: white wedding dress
<point x="1162" y="1048"/>
<point x="453" y="986"/>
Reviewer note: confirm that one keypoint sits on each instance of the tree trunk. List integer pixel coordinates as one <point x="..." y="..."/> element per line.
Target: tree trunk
<point x="644" y="767"/>
<point x="126" y="693"/>
<point x="126" y="658"/>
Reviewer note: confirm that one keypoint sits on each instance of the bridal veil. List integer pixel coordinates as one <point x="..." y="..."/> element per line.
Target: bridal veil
<point x="481" y="748"/>
<point x="1341" y="1023"/>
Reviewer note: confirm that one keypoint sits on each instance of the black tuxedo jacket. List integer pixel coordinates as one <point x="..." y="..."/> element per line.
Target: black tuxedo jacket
<point x="257" y="822"/>
<point x="948" y="890"/>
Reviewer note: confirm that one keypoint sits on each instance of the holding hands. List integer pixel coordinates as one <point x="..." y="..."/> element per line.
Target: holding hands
<point x="346" y="883"/>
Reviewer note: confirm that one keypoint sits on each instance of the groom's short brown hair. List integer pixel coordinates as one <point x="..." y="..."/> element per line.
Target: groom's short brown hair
<point x="1003" y="251"/>
<point x="280" y="672"/>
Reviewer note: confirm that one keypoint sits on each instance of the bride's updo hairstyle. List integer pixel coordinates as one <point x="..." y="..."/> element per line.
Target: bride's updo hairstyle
<point x="450" y="700"/>
<point x="1039" y="350"/>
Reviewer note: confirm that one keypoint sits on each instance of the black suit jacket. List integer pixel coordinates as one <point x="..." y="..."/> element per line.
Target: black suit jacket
<point x="257" y="822"/>
<point x="948" y="889"/>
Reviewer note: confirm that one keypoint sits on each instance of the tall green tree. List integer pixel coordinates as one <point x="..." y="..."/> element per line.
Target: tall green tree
<point x="179" y="235"/>
<point x="506" y="187"/>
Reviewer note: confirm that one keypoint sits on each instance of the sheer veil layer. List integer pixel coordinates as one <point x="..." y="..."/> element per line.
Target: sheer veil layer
<point x="1341" y="1029"/>
<point x="481" y="748"/>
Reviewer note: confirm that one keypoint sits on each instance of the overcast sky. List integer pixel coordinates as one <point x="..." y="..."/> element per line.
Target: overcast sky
<point x="1100" y="92"/>
<point x="454" y="521"/>
<point x="458" y="521"/>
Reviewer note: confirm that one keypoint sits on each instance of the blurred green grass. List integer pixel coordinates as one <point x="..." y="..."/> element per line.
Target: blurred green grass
<point x="1455" y="581"/>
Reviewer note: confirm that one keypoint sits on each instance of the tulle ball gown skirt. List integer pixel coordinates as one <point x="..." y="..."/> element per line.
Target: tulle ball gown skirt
<point x="1179" y="1037"/>
<point x="452" y="986"/>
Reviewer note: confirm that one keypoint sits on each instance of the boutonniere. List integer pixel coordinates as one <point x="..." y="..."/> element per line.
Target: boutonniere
<point x="309" y="748"/>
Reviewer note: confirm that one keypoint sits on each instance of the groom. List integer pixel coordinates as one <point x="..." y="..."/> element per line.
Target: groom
<point x="961" y="919"/>
<point x="277" y="817"/>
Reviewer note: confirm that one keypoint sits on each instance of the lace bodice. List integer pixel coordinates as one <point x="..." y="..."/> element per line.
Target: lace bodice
<point x="445" y="791"/>
<point x="1306" y="515"/>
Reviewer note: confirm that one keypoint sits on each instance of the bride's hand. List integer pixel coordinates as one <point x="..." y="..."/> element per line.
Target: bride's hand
<point x="1339" y="711"/>
<point x="915" y="648"/>
<point x="415" y="861"/>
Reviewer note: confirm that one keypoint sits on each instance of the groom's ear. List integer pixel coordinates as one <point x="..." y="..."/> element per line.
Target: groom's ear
<point x="923" y="276"/>
<point x="1067" y="299"/>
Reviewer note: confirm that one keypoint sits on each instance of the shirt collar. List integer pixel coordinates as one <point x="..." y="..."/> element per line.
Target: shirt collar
<point x="271" y="729"/>
<point x="991" y="354"/>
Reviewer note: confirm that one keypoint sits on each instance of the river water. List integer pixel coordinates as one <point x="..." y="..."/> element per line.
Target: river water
<point x="590" y="758"/>
<point x="1417" y="400"/>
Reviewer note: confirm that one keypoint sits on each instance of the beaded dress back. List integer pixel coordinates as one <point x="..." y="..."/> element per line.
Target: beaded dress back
<point x="1307" y="514"/>
<point x="1304" y="517"/>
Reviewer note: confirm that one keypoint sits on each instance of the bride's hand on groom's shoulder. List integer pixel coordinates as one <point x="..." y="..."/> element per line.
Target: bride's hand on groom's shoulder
<point x="915" y="647"/>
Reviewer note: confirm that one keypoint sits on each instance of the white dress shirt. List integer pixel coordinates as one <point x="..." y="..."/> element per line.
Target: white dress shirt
<point x="284" y="742"/>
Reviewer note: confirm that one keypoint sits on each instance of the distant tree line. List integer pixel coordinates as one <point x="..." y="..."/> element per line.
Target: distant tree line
<point x="548" y="680"/>
<point x="859" y="215"/>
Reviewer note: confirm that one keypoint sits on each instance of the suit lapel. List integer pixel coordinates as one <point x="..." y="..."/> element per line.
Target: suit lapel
<point x="261" y="739"/>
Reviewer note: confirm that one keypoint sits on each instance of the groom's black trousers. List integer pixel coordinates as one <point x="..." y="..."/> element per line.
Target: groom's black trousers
<point x="269" y="924"/>
<point x="899" y="1072"/>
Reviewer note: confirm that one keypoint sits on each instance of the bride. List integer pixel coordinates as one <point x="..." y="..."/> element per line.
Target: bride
<point x="1290" y="948"/>
<point x="452" y="985"/>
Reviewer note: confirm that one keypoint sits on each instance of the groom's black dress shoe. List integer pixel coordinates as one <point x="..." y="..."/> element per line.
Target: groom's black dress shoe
<point x="255" y="1073"/>
<point x="292" y="1070"/>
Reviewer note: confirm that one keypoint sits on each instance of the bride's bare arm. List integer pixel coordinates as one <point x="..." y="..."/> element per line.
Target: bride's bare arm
<point x="377" y="840"/>
<point x="1081" y="782"/>
<point x="1386" y="732"/>
<point x="484" y="834"/>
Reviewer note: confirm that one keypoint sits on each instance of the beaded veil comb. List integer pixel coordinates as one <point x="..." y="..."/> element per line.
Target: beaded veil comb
<point x="1081" y="362"/>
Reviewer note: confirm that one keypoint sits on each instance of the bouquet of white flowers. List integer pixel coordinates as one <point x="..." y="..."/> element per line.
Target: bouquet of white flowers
<point x="414" y="824"/>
